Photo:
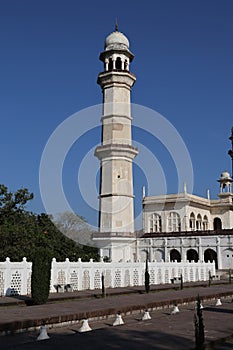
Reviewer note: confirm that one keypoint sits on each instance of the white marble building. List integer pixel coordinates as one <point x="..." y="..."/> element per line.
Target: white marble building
<point x="188" y="227"/>
<point x="179" y="226"/>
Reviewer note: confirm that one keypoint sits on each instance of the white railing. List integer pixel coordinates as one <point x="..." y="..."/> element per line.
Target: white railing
<point x="15" y="277"/>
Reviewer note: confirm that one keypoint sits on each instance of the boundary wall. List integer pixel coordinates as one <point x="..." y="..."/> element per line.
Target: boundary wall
<point x="15" y="277"/>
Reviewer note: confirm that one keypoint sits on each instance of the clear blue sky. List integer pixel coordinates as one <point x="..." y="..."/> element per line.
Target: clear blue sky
<point x="49" y="66"/>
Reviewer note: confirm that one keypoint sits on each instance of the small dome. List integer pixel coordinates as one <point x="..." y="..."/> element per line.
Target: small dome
<point x="225" y="175"/>
<point x="116" y="40"/>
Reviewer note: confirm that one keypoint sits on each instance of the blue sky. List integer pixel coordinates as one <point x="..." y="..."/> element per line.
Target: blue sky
<point x="49" y="67"/>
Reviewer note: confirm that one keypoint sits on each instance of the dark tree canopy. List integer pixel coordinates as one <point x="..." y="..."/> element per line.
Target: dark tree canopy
<point x="22" y="233"/>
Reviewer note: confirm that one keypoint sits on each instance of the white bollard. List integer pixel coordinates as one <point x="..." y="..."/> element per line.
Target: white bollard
<point x="175" y="310"/>
<point x="218" y="303"/>
<point x="146" y="316"/>
<point x="43" y="334"/>
<point x="118" y="321"/>
<point x="85" y="327"/>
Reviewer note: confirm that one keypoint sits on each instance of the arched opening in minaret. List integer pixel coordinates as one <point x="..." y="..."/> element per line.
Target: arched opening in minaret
<point x="175" y="255"/>
<point x="118" y="63"/>
<point x="217" y="224"/>
<point x="211" y="255"/>
<point x="125" y="65"/>
<point x="110" y="64"/>
<point x="192" y="255"/>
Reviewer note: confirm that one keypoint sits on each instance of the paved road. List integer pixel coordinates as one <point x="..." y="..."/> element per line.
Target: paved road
<point x="163" y="332"/>
<point x="18" y="317"/>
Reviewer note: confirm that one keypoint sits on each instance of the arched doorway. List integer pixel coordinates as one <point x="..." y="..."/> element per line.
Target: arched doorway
<point x="211" y="255"/>
<point x="192" y="255"/>
<point x="217" y="224"/>
<point x="175" y="255"/>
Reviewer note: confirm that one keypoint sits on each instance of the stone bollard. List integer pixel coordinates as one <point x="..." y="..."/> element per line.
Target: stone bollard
<point x="175" y="310"/>
<point x="118" y="321"/>
<point x="85" y="327"/>
<point x="43" y="334"/>
<point x="146" y="316"/>
<point x="218" y="303"/>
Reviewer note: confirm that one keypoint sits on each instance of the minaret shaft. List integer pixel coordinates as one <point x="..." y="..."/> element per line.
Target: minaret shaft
<point x="116" y="153"/>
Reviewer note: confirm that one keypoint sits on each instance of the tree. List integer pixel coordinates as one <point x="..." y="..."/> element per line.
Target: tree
<point x="75" y="227"/>
<point x="61" y="246"/>
<point x="41" y="272"/>
<point x="23" y="232"/>
<point x="181" y="282"/>
<point x="11" y="202"/>
<point x="147" y="278"/>
<point x="199" y="326"/>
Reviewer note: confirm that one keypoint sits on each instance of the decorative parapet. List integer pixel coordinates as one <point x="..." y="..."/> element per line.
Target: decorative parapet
<point x="15" y="277"/>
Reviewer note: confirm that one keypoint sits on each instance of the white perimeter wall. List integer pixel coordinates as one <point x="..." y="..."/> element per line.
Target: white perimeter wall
<point x="15" y="277"/>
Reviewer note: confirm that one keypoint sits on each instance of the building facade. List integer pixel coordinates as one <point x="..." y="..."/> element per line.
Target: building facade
<point x="176" y="227"/>
<point x="188" y="227"/>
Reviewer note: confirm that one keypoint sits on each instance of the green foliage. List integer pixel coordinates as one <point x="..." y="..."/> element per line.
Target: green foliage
<point x="181" y="282"/>
<point x="147" y="278"/>
<point x="103" y="286"/>
<point x="210" y="278"/>
<point x="41" y="271"/>
<point x="22" y="232"/>
<point x="12" y="202"/>
<point x="199" y="326"/>
<point x="75" y="227"/>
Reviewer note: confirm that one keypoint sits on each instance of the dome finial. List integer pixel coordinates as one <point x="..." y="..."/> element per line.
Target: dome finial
<point x="116" y="26"/>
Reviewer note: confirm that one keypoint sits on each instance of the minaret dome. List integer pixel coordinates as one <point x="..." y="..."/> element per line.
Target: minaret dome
<point x="116" y="55"/>
<point x="116" y="41"/>
<point x="225" y="182"/>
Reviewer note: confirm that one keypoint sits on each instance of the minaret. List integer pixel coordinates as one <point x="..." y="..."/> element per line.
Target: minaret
<point x="116" y="153"/>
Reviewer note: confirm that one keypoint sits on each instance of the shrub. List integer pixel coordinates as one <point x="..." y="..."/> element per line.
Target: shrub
<point x="199" y="326"/>
<point x="147" y="278"/>
<point x="41" y="272"/>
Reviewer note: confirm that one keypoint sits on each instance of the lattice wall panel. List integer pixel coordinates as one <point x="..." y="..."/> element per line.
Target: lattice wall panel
<point x="86" y="280"/>
<point x="16" y="283"/>
<point x="61" y="277"/>
<point x="74" y="280"/>
<point x="117" y="279"/>
<point x="97" y="280"/>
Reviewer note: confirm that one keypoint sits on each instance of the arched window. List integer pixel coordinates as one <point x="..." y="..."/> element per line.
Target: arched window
<point x="173" y="222"/>
<point x="198" y="222"/>
<point x="192" y="221"/>
<point x="217" y="224"/>
<point x="175" y="255"/>
<point x="110" y="64"/>
<point x="192" y="255"/>
<point x="211" y="255"/>
<point x="205" y="223"/>
<point x="155" y="224"/>
<point x="118" y="63"/>
<point x="126" y="65"/>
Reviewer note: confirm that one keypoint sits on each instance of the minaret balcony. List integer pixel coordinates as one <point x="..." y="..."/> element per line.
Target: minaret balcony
<point x="117" y="76"/>
<point x="116" y="150"/>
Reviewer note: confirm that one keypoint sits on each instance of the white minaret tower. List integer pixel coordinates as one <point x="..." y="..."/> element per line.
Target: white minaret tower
<point x="116" y="153"/>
